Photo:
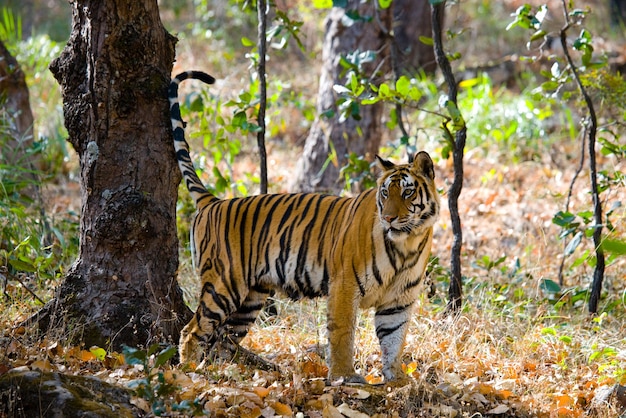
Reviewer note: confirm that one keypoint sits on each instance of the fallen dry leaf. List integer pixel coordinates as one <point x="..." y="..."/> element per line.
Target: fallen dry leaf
<point x="43" y="365"/>
<point x="281" y="408"/>
<point x="500" y="409"/>
<point x="345" y="410"/>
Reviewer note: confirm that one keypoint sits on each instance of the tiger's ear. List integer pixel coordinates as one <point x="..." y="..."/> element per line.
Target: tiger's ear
<point x="423" y="163"/>
<point x="384" y="165"/>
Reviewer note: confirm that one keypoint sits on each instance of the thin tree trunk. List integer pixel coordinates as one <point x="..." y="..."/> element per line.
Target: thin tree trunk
<point x="458" y="148"/>
<point x="598" y="271"/>
<point x="114" y="74"/>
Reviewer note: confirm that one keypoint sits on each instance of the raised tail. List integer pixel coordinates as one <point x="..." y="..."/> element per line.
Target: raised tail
<point x="194" y="185"/>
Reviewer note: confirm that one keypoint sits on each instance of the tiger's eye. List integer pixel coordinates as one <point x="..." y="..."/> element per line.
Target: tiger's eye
<point x="408" y="193"/>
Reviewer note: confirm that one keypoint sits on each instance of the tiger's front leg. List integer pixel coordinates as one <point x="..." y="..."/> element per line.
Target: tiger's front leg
<point x="391" y="328"/>
<point x="342" y="315"/>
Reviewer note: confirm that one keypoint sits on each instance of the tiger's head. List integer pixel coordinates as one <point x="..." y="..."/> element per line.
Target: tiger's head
<point x="407" y="198"/>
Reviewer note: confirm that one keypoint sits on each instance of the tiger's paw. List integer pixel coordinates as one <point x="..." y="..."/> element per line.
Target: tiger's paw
<point x="349" y="379"/>
<point x="231" y="351"/>
<point x="395" y="377"/>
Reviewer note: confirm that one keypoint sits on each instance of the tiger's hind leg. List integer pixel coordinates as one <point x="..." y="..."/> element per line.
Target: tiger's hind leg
<point x="236" y="327"/>
<point x="215" y="307"/>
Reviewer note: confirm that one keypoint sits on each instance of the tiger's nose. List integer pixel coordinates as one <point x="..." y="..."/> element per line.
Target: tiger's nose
<point x="389" y="218"/>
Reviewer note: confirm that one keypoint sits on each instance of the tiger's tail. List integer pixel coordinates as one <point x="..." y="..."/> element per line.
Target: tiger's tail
<point x="194" y="185"/>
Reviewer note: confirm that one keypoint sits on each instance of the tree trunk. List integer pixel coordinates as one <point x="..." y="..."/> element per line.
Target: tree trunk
<point x="411" y="19"/>
<point x="114" y="73"/>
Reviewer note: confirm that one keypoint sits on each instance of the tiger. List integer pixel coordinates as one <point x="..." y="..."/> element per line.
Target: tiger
<point x="366" y="251"/>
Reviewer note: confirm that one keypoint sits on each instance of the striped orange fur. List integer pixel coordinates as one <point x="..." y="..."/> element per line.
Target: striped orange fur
<point x="367" y="251"/>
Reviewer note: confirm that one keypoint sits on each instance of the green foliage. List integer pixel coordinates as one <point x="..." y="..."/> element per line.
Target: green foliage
<point x="31" y="242"/>
<point x="526" y="19"/>
<point x="580" y="227"/>
<point x="219" y="135"/>
<point x="33" y="55"/>
<point x="486" y="263"/>
<point x="352" y="92"/>
<point x="154" y="388"/>
<point x="209" y="20"/>
<point x="358" y="173"/>
<point x="10" y="28"/>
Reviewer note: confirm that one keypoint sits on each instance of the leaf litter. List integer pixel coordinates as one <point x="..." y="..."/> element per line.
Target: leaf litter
<point x="512" y="352"/>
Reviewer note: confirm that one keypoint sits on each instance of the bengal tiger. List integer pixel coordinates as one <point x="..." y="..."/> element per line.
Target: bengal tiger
<point x="366" y="251"/>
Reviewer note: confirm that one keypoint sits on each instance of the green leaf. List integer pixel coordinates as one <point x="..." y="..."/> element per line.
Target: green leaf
<point x="415" y="94"/>
<point x="549" y="86"/>
<point x="384" y="4"/>
<point x="537" y="35"/>
<point x="247" y="42"/>
<point x="563" y="219"/>
<point x="370" y="100"/>
<point x="153" y="349"/>
<point x="566" y="339"/>
<point x="133" y="356"/>
<point x="164" y="356"/>
<point x="100" y="353"/>
<point x="550" y="286"/>
<point x="22" y="265"/>
<point x="239" y="119"/>
<point x="402" y="85"/>
<point x="573" y="244"/>
<point x="426" y="40"/>
<point x="614" y="246"/>
<point x="455" y="114"/>
<point x="384" y="91"/>
<point x="323" y="4"/>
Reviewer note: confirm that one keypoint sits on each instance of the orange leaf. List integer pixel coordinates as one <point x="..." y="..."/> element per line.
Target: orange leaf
<point x="564" y="400"/>
<point x="504" y="394"/>
<point x="409" y="368"/>
<point x="565" y="412"/>
<point x="490" y="199"/>
<point x="530" y="366"/>
<point x="87" y="355"/>
<point x="312" y="369"/>
<point x="485" y="389"/>
<point x="282" y="409"/>
<point x="374" y="380"/>
<point x="261" y="392"/>
<point x="43" y="365"/>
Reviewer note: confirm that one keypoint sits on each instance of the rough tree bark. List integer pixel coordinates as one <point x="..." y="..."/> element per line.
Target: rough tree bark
<point x="114" y="74"/>
<point x="408" y="20"/>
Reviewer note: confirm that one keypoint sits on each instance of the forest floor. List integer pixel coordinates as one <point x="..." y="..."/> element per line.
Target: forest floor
<point x="519" y="348"/>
